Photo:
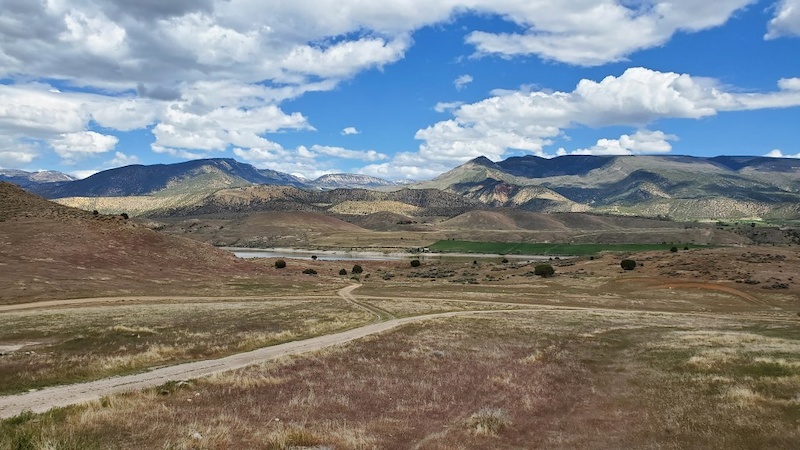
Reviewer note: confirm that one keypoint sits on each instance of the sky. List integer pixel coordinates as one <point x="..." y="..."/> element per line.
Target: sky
<point x="399" y="89"/>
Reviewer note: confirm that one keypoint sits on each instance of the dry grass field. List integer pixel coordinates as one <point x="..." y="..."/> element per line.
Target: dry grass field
<point x="71" y="344"/>
<point x="536" y="379"/>
<point x="609" y="359"/>
<point x="696" y="349"/>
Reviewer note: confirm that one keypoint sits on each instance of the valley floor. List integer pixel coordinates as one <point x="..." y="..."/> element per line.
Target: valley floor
<point x="692" y="350"/>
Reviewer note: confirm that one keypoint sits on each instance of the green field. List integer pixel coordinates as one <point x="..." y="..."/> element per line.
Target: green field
<point x="519" y="248"/>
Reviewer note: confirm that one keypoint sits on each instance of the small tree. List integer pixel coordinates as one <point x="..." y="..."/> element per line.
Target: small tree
<point x="357" y="269"/>
<point x="343" y="272"/>
<point x="544" y="270"/>
<point x="415" y="263"/>
<point x="628" y="264"/>
<point x="280" y="264"/>
<point x="314" y="257"/>
<point x="124" y="216"/>
<point x="673" y="249"/>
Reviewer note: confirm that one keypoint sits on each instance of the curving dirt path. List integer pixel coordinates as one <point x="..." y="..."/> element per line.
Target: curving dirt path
<point x="59" y="396"/>
<point x="145" y="299"/>
<point x="661" y="283"/>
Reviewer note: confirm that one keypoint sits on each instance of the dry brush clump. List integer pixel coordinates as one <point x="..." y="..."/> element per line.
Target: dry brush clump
<point x="488" y="421"/>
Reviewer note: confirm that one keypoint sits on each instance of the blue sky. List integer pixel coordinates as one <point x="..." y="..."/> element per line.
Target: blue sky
<point x="401" y="89"/>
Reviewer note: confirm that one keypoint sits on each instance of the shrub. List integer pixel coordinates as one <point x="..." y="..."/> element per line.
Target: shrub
<point x="686" y="248"/>
<point x="124" y="216"/>
<point x="95" y="213"/>
<point x="310" y="272"/>
<point x="314" y="257"/>
<point x="280" y="264"/>
<point x="544" y="270"/>
<point x="415" y="263"/>
<point x="628" y="264"/>
<point x="343" y="272"/>
<point x="504" y="261"/>
<point x="357" y="269"/>
<point x="673" y="249"/>
<point x="488" y="421"/>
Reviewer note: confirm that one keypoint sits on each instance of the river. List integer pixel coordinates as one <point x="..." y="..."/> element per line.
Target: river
<point x="343" y="255"/>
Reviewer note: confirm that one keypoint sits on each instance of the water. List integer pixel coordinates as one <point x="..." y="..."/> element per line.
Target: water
<point x="323" y="255"/>
<point x="331" y="255"/>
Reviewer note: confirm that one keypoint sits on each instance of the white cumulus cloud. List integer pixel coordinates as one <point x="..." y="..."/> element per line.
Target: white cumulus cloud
<point x="777" y="153"/>
<point x="339" y="152"/>
<point x="786" y="21"/>
<point x="462" y="81"/>
<point x="349" y="131"/>
<point x="121" y="159"/>
<point x="71" y="146"/>
<point x="641" y="142"/>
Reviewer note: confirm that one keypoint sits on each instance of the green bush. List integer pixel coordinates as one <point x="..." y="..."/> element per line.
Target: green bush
<point x="415" y="263"/>
<point x="343" y="272"/>
<point x="628" y="264"/>
<point x="357" y="269"/>
<point x="544" y="270"/>
<point x="673" y="249"/>
<point x="310" y="272"/>
<point x="280" y="264"/>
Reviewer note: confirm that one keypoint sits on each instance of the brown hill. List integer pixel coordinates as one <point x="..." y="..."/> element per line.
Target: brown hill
<point x="262" y="229"/>
<point x="53" y="251"/>
<point x="389" y="221"/>
<point x="481" y="220"/>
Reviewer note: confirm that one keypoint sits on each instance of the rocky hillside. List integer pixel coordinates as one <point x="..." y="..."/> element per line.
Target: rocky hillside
<point x="423" y="202"/>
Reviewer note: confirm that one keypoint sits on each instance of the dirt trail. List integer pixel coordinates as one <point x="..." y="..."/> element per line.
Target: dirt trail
<point x="58" y="396"/>
<point x="380" y="314"/>
<point x="661" y="283"/>
<point x="142" y="299"/>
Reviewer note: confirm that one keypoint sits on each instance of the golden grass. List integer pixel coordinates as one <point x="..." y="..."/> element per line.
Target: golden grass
<point x="65" y="345"/>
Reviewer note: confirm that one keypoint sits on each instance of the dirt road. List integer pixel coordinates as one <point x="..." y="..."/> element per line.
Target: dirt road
<point x="58" y="396"/>
<point x="143" y="299"/>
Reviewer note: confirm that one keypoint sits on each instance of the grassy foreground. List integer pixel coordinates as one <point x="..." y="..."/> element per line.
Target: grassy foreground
<point x="68" y="345"/>
<point x="548" y="379"/>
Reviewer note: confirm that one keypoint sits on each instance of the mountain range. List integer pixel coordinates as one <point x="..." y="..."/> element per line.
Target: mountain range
<point x="676" y="187"/>
<point x="26" y="179"/>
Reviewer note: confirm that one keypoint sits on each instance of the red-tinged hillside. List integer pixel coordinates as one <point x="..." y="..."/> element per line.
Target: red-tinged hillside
<point x="48" y="250"/>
